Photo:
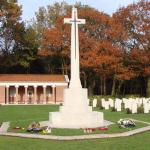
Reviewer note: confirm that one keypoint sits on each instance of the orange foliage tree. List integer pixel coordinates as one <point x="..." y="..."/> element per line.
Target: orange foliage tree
<point x="98" y="53"/>
<point x="136" y="21"/>
<point x="113" y="50"/>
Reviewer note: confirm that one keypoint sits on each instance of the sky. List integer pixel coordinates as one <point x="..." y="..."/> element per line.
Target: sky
<point x="108" y="6"/>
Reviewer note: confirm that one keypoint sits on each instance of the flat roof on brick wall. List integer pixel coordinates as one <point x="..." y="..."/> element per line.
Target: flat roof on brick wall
<point x="32" y="78"/>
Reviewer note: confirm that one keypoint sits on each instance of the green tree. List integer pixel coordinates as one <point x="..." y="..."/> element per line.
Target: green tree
<point x="26" y="50"/>
<point x="10" y="30"/>
<point x="9" y="25"/>
<point x="18" y="45"/>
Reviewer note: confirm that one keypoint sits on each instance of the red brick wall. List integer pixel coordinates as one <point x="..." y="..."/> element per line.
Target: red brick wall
<point x="59" y="93"/>
<point x="2" y="94"/>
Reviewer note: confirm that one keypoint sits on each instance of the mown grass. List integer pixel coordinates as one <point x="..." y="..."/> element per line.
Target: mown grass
<point x="23" y="115"/>
<point x="137" y="142"/>
<point x="70" y="132"/>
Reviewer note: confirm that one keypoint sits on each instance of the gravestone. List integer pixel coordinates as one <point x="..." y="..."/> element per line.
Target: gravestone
<point x="140" y="102"/>
<point x="134" y="107"/>
<point x="106" y="105"/>
<point x="103" y="102"/>
<point x="126" y="104"/>
<point x="118" y="103"/>
<point x="111" y="102"/>
<point x="94" y="102"/>
<point x="148" y="105"/>
<point x="89" y="101"/>
<point x="145" y="101"/>
<point x="129" y="104"/>
<point x="146" y="108"/>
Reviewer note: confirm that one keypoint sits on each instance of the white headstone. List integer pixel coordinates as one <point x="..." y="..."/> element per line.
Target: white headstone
<point x="111" y="102"/>
<point x="140" y="102"/>
<point x="134" y="107"/>
<point x="94" y="102"/>
<point x="145" y="101"/>
<point x="103" y="102"/>
<point x="146" y="108"/>
<point x="89" y="101"/>
<point x="128" y="104"/>
<point x="148" y="105"/>
<point x="118" y="105"/>
<point x="106" y="105"/>
<point x="124" y="100"/>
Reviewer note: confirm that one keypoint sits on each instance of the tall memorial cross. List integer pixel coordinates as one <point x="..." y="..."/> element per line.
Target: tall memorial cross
<point x="75" y="112"/>
<point x="75" y="69"/>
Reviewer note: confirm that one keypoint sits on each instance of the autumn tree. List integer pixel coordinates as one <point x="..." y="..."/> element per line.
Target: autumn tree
<point x="111" y="48"/>
<point x="56" y="42"/>
<point x="135" y="18"/>
<point x="91" y="33"/>
<point x="106" y="54"/>
<point x="56" y="37"/>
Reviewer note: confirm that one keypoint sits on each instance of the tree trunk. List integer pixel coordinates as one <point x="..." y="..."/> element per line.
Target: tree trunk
<point x="84" y="80"/>
<point x="50" y="69"/>
<point x="104" y="79"/>
<point x="148" y="88"/>
<point x="101" y="84"/>
<point x="119" y="87"/>
<point x="63" y="67"/>
<point x="131" y="88"/>
<point x="91" y="89"/>
<point x="113" y="87"/>
<point x="124" y="89"/>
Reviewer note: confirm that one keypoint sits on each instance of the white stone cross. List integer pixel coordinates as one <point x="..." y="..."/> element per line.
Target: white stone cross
<point x="75" y="112"/>
<point x="75" y="69"/>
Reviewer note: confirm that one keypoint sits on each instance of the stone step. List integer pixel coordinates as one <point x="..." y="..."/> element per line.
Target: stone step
<point x="4" y="127"/>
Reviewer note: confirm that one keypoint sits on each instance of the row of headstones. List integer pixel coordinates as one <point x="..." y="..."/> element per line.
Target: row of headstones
<point x="131" y="103"/>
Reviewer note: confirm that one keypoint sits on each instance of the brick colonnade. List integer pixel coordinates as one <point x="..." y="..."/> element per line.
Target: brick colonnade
<point x="31" y="99"/>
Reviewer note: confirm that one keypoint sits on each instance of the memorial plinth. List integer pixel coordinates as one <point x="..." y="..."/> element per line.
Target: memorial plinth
<point x="75" y="112"/>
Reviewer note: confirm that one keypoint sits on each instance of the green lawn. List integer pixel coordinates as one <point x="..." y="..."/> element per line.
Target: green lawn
<point x="114" y="116"/>
<point x="69" y="132"/>
<point x="22" y="115"/>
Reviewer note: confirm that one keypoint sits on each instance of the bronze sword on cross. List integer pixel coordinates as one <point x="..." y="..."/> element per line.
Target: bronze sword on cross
<point x="75" y="21"/>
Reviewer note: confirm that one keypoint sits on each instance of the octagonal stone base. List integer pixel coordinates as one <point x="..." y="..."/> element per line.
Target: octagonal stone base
<point x="75" y="113"/>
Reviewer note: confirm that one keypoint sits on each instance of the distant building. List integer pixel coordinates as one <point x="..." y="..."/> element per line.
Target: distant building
<point x="32" y="88"/>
